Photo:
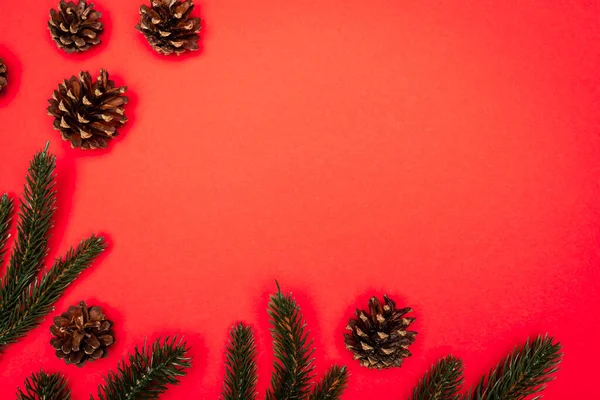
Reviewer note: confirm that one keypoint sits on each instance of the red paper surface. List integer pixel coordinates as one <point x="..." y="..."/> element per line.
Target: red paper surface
<point x="446" y="154"/>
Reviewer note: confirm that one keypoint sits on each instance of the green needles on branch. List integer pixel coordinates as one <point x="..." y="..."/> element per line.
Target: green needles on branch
<point x="293" y="369"/>
<point x="26" y="298"/>
<point x="523" y="373"/>
<point x="40" y="386"/>
<point x="148" y="373"/>
<point x="442" y="382"/>
<point x="241" y="369"/>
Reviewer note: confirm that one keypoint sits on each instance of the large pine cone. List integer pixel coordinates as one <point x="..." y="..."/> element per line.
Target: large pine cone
<point x="3" y="81"/>
<point x="168" y="27"/>
<point x="82" y="334"/>
<point x="88" y="113"/>
<point x="75" y="27"/>
<point x="379" y="339"/>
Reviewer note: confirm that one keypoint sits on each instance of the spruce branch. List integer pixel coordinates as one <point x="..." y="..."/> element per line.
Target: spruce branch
<point x="43" y="386"/>
<point x="6" y="211"/>
<point x="148" y="373"/>
<point x="241" y="370"/>
<point x="332" y="386"/>
<point x="25" y="298"/>
<point x="523" y="373"/>
<point x="442" y="382"/>
<point x="293" y="364"/>
<point x="38" y="298"/>
<point x="35" y="220"/>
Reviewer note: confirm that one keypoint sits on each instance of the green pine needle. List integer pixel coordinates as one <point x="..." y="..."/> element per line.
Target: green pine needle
<point x="6" y="211"/>
<point x="442" y="382"/>
<point x="35" y="220"/>
<point x="332" y="386"/>
<point x="241" y="370"/>
<point x="293" y="365"/>
<point x="24" y="298"/>
<point x="524" y="372"/>
<point x="42" y="386"/>
<point x="148" y="373"/>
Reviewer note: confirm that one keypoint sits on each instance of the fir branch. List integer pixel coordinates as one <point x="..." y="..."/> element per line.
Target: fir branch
<point x="442" y="382"/>
<point x="42" y="386"/>
<point x="38" y="298"/>
<point x="524" y="372"/>
<point x="332" y="386"/>
<point x="6" y="211"/>
<point x="293" y="364"/>
<point x="35" y="220"/>
<point x="241" y="370"/>
<point x="148" y="372"/>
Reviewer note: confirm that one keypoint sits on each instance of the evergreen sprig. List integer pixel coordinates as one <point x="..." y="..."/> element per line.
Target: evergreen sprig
<point x="6" y="210"/>
<point x="35" y="220"/>
<point x="24" y="297"/>
<point x="442" y="382"/>
<point x="332" y="386"/>
<point x="148" y="373"/>
<point x="293" y="364"/>
<point x="43" y="386"/>
<point x="241" y="370"/>
<point x="523" y="373"/>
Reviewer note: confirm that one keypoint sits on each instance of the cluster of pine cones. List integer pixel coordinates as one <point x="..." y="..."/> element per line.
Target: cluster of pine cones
<point x="167" y="25"/>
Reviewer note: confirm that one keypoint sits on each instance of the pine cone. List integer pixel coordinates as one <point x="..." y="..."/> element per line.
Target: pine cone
<point x="75" y="27"/>
<point x="3" y="81"/>
<point x="380" y="339"/>
<point x="88" y="113"/>
<point x="81" y="334"/>
<point x="168" y="27"/>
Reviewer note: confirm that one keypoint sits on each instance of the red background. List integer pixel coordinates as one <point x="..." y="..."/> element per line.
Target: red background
<point x="446" y="154"/>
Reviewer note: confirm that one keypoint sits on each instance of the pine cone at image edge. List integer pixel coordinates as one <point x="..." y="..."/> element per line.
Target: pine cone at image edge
<point x="75" y="27"/>
<point x="81" y="334"/>
<point x="88" y="113"/>
<point x="168" y="27"/>
<point x="3" y="81"/>
<point x="380" y="339"/>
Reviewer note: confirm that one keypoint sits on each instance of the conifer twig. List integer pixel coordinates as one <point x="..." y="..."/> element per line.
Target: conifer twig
<point x="42" y="386"/>
<point x="148" y="373"/>
<point x="442" y="382"/>
<point x="6" y="211"/>
<point x="332" y="386"/>
<point x="241" y="370"/>
<point x="35" y="220"/>
<point x="38" y="298"/>
<point x="523" y="373"/>
<point x="293" y="365"/>
<point x="25" y="298"/>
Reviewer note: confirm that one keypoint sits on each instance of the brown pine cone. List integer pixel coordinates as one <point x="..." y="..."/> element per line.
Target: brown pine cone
<point x="88" y="113"/>
<point x="3" y="81"/>
<point x="75" y="27"/>
<point x="168" y="26"/>
<point x="380" y="339"/>
<point x="81" y="334"/>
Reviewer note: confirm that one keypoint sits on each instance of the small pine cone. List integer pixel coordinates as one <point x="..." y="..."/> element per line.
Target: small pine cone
<point x="88" y="113"/>
<point x="168" y="27"/>
<point x="81" y="334"/>
<point x="3" y="81"/>
<point x="75" y="27"/>
<point x="379" y="339"/>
